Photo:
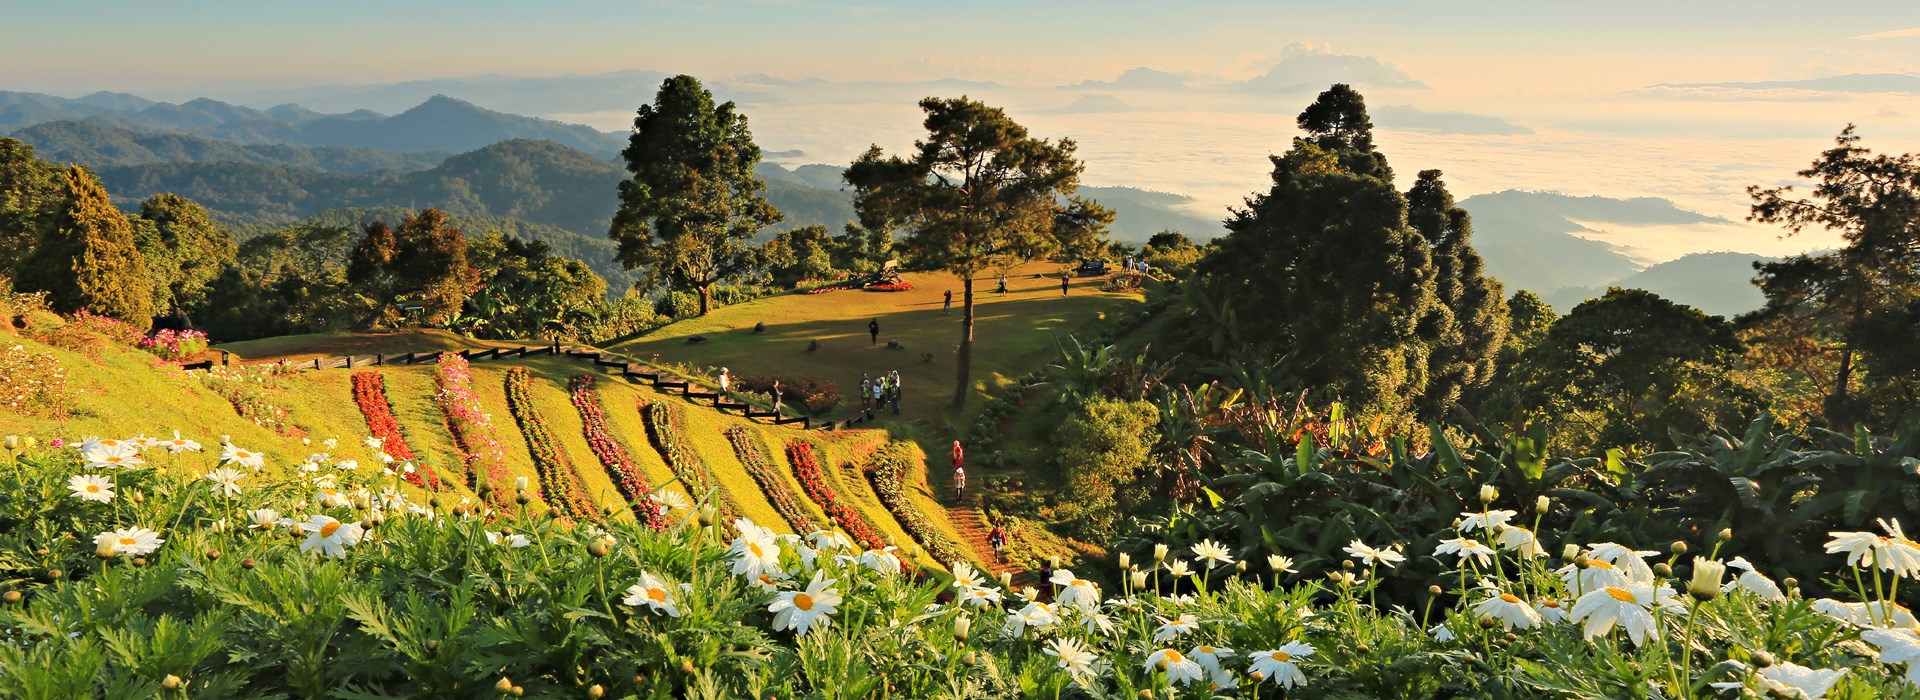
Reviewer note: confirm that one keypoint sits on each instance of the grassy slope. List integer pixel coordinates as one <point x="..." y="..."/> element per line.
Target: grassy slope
<point x="306" y="347"/>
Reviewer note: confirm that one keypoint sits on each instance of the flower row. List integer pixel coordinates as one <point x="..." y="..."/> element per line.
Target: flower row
<point x="174" y="345"/>
<point x="667" y="430"/>
<point x="888" y="472"/>
<point x="251" y="390"/>
<point x="891" y="287"/>
<point x="613" y="455"/>
<point x="807" y="469"/>
<point x="472" y="429"/>
<point x="753" y="455"/>
<point x="560" y="483"/>
<point x="370" y="394"/>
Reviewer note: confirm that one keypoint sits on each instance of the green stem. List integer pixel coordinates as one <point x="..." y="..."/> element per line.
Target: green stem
<point x="1686" y="654"/>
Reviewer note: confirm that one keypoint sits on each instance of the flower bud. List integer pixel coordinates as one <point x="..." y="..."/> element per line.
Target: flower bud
<point x="686" y="667"/>
<point x="1662" y="570"/>
<point x="596" y="692"/>
<point x="55" y="574"/>
<point x="520" y="484"/>
<point x="139" y="561"/>
<point x="519" y="691"/>
<point x="1570" y="553"/>
<point x="171" y="682"/>
<point x="1726" y="534"/>
<point x="504" y="686"/>
<point x="1434" y="590"/>
<point x="1240" y="566"/>
<point x="1053" y="562"/>
<point x="104" y="550"/>
<point x="1347" y="564"/>
<point x="13" y="597"/>
<point x="1705" y="584"/>
<point x="1762" y="659"/>
<point x="1006" y="579"/>
<point x="1488" y="493"/>
<point x="1126" y="561"/>
<point x="971" y="659"/>
<point x="246" y="563"/>
<point x="1137" y="578"/>
<point x="213" y="555"/>
<point x="522" y="498"/>
<point x="1541" y="504"/>
<point x="1159" y="552"/>
<point x="1678" y="547"/>
<point x="13" y="442"/>
<point x="962" y="625"/>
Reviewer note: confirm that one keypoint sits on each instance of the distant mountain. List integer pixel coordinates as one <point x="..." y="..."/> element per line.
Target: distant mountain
<point x="1529" y="238"/>
<point x="826" y="177"/>
<point x="1898" y="83"/>
<point x="1136" y="79"/>
<point x="1309" y="70"/>
<point x="1138" y="214"/>
<point x="439" y="124"/>
<point x="559" y="94"/>
<point x="1717" y="283"/>
<point x="101" y="145"/>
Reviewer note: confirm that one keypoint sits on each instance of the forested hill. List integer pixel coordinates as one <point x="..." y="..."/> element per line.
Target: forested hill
<point x="103" y="145"/>
<point x="439" y="124"/>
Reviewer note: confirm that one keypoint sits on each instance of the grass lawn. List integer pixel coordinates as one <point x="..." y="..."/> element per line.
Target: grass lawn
<point x="311" y="345"/>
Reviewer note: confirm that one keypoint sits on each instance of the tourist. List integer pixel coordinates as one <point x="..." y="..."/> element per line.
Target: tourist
<point x="946" y="306"/>
<point x="1064" y="279"/>
<point x="998" y="540"/>
<point x="959" y="484"/>
<point x="873" y="329"/>
<point x="866" y="392"/>
<point x="880" y="392"/>
<point x="776" y="399"/>
<point x="1003" y="285"/>
<point x="893" y="390"/>
<point x="725" y="381"/>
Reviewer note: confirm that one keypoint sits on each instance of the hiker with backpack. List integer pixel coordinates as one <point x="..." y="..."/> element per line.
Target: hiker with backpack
<point x="998" y="540"/>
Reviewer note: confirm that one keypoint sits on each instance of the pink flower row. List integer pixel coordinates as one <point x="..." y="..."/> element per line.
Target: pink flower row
<point x="472" y="429"/>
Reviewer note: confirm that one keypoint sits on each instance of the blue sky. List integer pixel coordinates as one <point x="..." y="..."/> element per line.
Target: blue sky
<point x="1574" y="97"/>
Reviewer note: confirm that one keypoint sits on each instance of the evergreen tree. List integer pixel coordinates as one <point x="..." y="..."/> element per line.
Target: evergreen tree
<point x="1470" y="338"/>
<point x="978" y="191"/>
<point x="88" y="260"/>
<point x="185" y="252"/>
<point x="430" y="261"/>
<point x="691" y="206"/>
<point x="29" y="199"/>
<point x="1321" y="277"/>
<point x="370" y="271"/>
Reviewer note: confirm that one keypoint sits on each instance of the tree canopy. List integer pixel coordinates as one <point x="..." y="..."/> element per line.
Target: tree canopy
<point x="88" y="260"/>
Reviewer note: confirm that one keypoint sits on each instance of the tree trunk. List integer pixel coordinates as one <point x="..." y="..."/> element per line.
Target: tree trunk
<point x="966" y="342"/>
<point x="1845" y="374"/>
<point x="706" y="298"/>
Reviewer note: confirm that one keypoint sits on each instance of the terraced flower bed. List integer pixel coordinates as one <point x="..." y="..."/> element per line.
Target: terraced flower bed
<point x="887" y="470"/>
<point x="560" y="483"/>
<point x="613" y="455"/>
<point x="667" y="430"/>
<point x="753" y="455"/>
<point x="806" y="468"/>
<point x="370" y="394"/>
<point x="472" y="429"/>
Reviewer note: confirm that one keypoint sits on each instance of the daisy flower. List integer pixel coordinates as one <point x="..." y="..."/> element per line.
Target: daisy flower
<point x="966" y="577"/>
<point x="803" y="610"/>
<point x="1520" y="540"/>
<point x="979" y="597"/>
<point x="883" y="561"/>
<point x="652" y="593"/>
<point x="1211" y="552"/>
<point x="91" y="487"/>
<point x="1072" y="656"/>
<point x="1626" y="606"/>
<point x="143" y="442"/>
<point x="1786" y="679"/>
<point x="1551" y="611"/>
<point x="513" y="541"/>
<point x="1209" y="657"/>
<point x="226" y="481"/>
<point x="1510" y="610"/>
<point x="1075" y="591"/>
<point x="754" y="554"/>
<point x="1035" y="615"/>
<point x="828" y="540"/>
<point x="1465" y="548"/>
<point x="130" y="541"/>
<point x="1897" y="646"/>
<point x="1180" y="669"/>
<point x="264" y="518"/>
<point x="330" y="536"/>
<point x="374" y="443"/>
<point x="117" y="455"/>
<point x="1281" y="665"/>
<point x="670" y="500"/>
<point x="1370" y="556"/>
<point x="1280" y="564"/>
<point x="1753" y="581"/>
<point x="1179" y="568"/>
<point x="1629" y="562"/>
<point x="179" y="444"/>
<point x="229" y="454"/>
<point x="1491" y="520"/>
<point x="1173" y="628"/>
<point x="1894" y="553"/>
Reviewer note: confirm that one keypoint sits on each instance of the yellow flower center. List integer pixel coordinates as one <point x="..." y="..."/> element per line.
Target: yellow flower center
<point x="1174" y="657"/>
<point x="803" y="601"/>
<point x="243" y="454"/>
<point x="128" y="541"/>
<point x="110" y="443"/>
<point x="1596" y="563"/>
<point x="754" y="547"/>
<point x="1206" y="649"/>
<point x="1549" y="602"/>
<point x="93" y="488"/>
<point x="1508" y="597"/>
<point x="1078" y="582"/>
<point x="328" y="529"/>
<point x="658" y="596"/>
<point x="1622" y="595"/>
<point x="1282" y="656"/>
<point x="113" y="459"/>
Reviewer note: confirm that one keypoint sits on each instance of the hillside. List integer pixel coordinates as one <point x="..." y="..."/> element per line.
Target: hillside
<point x="102" y="146"/>
<point x="320" y="405"/>
<point x="440" y="123"/>
<point x="1717" y="283"/>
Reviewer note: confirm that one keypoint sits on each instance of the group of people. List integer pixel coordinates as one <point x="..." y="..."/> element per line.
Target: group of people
<point x="725" y="381"/>
<point x="876" y="393"/>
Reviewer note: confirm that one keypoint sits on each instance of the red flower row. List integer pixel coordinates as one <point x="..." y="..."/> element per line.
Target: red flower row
<point x="666" y="429"/>
<point x="888" y="472"/>
<point x="807" y="469"/>
<point x="753" y="455"/>
<point x="370" y="393"/>
<point x="893" y="287"/>
<point x="613" y="455"/>
<point x="472" y="430"/>
<point x="560" y="483"/>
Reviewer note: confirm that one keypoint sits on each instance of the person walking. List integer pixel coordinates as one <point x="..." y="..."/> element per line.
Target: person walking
<point x="998" y="540"/>
<point x="893" y="390"/>
<point x="873" y="329"/>
<point x="946" y="306"/>
<point x="1003" y="285"/>
<point x="1064" y="279"/>
<point x="776" y="399"/>
<point x="959" y="485"/>
<point x="726" y="381"/>
<point x="866" y="392"/>
<point x="880" y="393"/>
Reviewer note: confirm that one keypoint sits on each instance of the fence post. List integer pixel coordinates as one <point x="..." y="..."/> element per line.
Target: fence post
<point x="349" y="362"/>
<point x="379" y="359"/>
<point x="316" y="363"/>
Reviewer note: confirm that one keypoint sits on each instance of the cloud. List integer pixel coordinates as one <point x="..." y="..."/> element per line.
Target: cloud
<point x="1307" y="66"/>
<point x="1138" y="79"/>
<point x="1909" y="33"/>
<point x="1096" y="103"/>
<point x="1796" y="90"/>
<point x="1410" y="118"/>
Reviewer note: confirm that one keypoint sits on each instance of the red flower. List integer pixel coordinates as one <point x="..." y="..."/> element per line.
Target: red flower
<point x="613" y="455"/>
<point x="807" y="470"/>
<point x="560" y="483"/>
<point x="370" y="394"/>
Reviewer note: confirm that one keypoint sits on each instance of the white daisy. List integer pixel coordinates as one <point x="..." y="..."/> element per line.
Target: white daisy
<point x="1281" y="665"/>
<point x="1629" y="562"/>
<point x="669" y="500"/>
<point x="130" y="541"/>
<point x="1521" y="541"/>
<point x="1173" y="628"/>
<point x="805" y="609"/>
<point x="1752" y="581"/>
<point x="229" y="454"/>
<point x="330" y="536"/>
<point x="1213" y="553"/>
<point x="1897" y="646"/>
<point x="1179" y="568"/>
<point x="91" y="487"/>
<point x="1510" y="610"/>
<point x="1075" y="591"/>
<point x="1370" y="556"/>
<point x="179" y="444"/>
<point x="1180" y="669"/>
<point x="1464" y="548"/>
<point x="226" y="481"/>
<point x="513" y="541"/>
<point x="1491" y="520"/>
<point x="1073" y="657"/>
<point x="966" y="577"/>
<point x="754" y="554"/>
<point x="1627" y="606"/>
<point x="264" y="518"/>
<point x="1209" y="657"/>
<point x="1035" y="615"/>
<point x="1280" y="564"/>
<point x="882" y="561"/>
<point x="1792" y="680"/>
<point x="116" y="455"/>
<point x="1551" y="611"/>
<point x="653" y="594"/>
<point x="979" y="597"/>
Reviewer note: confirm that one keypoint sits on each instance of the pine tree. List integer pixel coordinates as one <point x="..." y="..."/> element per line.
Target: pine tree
<point x="88" y="260"/>
<point x="1469" y="343"/>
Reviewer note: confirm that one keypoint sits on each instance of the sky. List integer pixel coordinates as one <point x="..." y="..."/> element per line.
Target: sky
<point x="1617" y="99"/>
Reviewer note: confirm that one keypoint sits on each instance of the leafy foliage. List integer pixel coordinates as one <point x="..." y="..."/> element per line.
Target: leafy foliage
<point x="887" y="469"/>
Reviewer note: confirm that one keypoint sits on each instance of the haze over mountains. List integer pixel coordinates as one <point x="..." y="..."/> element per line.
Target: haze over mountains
<point x="546" y="179"/>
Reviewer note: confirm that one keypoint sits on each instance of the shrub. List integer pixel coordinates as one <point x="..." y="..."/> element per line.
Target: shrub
<point x="806" y="468"/>
<point x="560" y="484"/>
<point x="370" y="394"/>
<point x="626" y="475"/>
<point x="816" y="394"/>
<point x="887" y="469"/>
<point x="116" y="330"/>
<point x="472" y="429"/>
<point x="753" y="455"/>
<point x="34" y="383"/>
<point x="174" y="346"/>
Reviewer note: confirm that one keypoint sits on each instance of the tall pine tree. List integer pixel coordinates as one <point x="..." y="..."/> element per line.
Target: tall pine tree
<point x="1470" y="341"/>
<point x="88" y="260"/>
